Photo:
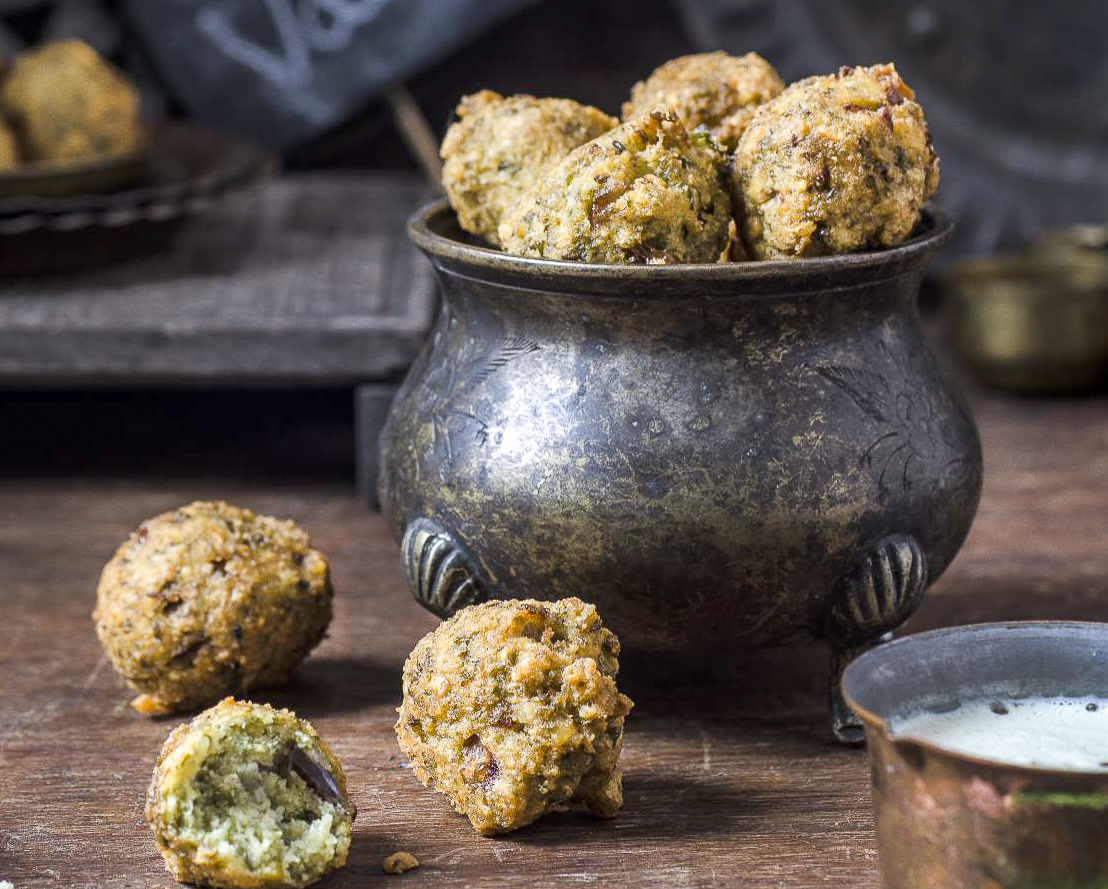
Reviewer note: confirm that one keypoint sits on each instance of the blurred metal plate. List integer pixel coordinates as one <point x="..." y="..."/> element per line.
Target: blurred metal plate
<point x="95" y="175"/>
<point x="184" y="171"/>
<point x="181" y="170"/>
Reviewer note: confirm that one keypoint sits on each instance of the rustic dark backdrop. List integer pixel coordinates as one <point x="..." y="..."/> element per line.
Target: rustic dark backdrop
<point x="1016" y="91"/>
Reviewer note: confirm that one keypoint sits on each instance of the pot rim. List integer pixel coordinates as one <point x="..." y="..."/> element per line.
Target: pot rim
<point x="731" y="278"/>
<point x="859" y="666"/>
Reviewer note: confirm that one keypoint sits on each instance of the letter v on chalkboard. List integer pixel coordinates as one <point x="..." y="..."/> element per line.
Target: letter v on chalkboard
<point x="279" y="72"/>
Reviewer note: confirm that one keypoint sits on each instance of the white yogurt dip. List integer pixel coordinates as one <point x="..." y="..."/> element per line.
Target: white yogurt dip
<point x="1052" y="733"/>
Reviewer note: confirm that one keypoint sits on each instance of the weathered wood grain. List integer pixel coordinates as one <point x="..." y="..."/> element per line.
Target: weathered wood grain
<point x="731" y="778"/>
<point x="304" y="280"/>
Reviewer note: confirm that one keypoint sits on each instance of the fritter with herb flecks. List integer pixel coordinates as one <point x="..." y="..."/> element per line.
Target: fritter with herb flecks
<point x="68" y="103"/>
<point x="500" y="146"/>
<point x="714" y="90"/>
<point x="834" y="164"/>
<point x="210" y="600"/>
<point x="511" y="710"/>
<point x="645" y="192"/>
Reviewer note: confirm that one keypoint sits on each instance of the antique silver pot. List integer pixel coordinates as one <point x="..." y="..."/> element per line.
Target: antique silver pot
<point x="715" y="455"/>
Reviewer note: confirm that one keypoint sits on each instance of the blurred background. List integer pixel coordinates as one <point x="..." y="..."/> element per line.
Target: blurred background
<point x="243" y="302"/>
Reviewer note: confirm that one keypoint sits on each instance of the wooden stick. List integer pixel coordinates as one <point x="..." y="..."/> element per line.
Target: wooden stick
<point x="416" y="132"/>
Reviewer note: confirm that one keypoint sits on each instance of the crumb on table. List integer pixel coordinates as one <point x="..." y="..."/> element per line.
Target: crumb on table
<point x="396" y="863"/>
<point x="147" y="706"/>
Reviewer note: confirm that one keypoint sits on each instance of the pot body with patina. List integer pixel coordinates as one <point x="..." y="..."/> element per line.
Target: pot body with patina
<point x="714" y="455"/>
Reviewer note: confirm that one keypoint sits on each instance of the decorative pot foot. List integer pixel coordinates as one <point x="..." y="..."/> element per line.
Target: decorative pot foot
<point x="439" y="572"/>
<point x="877" y="594"/>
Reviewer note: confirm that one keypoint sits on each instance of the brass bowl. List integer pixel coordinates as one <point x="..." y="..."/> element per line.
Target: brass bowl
<point x="1075" y="239"/>
<point x="1036" y="322"/>
<point x="947" y="819"/>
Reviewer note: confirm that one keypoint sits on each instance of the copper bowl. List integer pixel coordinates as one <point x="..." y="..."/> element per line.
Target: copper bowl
<point x="949" y="820"/>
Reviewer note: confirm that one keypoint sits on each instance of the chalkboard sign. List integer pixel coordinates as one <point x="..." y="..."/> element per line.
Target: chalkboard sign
<point x="278" y="72"/>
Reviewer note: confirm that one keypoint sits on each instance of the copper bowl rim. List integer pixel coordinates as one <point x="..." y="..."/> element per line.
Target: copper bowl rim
<point x="876" y="722"/>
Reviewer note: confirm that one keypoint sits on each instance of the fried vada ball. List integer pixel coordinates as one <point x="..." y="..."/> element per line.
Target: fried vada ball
<point x="210" y="600"/>
<point x="511" y="710"/>
<point x="714" y="90"/>
<point x="834" y="164"/>
<point x="498" y="147"/>
<point x="67" y="103"/>
<point x="249" y="796"/>
<point x="645" y="192"/>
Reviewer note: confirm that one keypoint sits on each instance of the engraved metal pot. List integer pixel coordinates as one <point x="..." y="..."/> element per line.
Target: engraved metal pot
<point x="715" y="455"/>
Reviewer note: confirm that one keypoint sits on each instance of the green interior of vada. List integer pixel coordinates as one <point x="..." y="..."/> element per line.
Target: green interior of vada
<point x="263" y="806"/>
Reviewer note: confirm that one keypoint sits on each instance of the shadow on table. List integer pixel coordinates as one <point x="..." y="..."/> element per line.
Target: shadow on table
<point x="368" y="849"/>
<point x="657" y="807"/>
<point x="1033" y="598"/>
<point x="326" y="685"/>
<point x="783" y="687"/>
<point x="268" y="438"/>
<point x="779" y="695"/>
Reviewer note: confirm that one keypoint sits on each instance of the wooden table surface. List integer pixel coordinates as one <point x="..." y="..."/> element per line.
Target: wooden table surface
<point x="731" y="778"/>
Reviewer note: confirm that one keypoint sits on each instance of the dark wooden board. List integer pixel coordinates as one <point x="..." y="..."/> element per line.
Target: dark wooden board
<point x="730" y="776"/>
<point x="304" y="280"/>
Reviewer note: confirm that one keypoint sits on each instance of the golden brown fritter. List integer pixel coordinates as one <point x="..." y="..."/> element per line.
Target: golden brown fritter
<point x="67" y="103"/>
<point x="210" y="600"/>
<point x="714" y="90"/>
<point x="499" y="147"/>
<point x="511" y="710"/>
<point x="245" y="797"/>
<point x="645" y="192"/>
<point x="834" y="164"/>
